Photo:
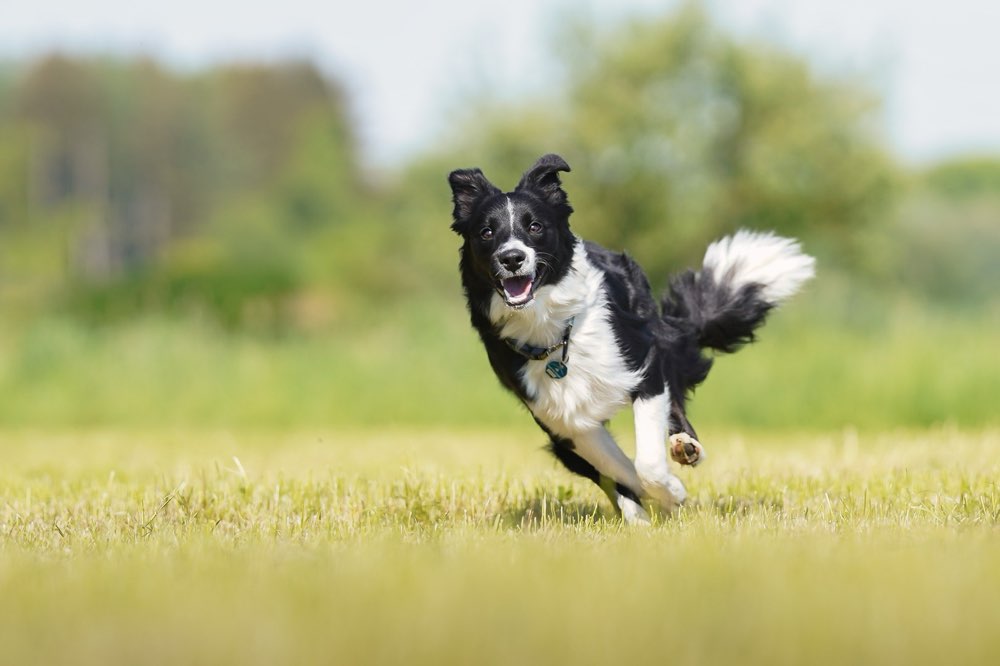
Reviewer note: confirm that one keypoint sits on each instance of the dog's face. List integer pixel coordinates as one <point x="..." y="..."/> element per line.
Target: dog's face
<point x="515" y="242"/>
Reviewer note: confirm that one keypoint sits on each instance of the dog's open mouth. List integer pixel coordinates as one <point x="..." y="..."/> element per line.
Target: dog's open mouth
<point x="516" y="291"/>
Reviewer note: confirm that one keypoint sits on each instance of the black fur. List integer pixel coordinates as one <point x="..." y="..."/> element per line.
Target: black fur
<point x="667" y="339"/>
<point x="724" y="318"/>
<point x="477" y="203"/>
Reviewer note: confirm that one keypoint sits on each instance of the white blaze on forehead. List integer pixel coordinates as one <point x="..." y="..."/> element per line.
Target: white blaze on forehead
<point x="510" y="212"/>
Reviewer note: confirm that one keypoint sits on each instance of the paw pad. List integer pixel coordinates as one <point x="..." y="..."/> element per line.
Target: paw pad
<point x="686" y="450"/>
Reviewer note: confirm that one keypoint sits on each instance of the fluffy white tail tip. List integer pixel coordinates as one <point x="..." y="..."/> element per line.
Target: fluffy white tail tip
<point x="777" y="264"/>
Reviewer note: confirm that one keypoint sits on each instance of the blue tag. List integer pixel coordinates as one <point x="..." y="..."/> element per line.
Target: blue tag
<point x="556" y="369"/>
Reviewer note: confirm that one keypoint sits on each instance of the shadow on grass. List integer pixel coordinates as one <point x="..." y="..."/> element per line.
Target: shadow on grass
<point x="544" y="510"/>
<point x="737" y="506"/>
<point x="415" y="506"/>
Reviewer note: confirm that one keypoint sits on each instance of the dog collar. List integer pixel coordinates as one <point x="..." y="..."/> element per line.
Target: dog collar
<point x="555" y="369"/>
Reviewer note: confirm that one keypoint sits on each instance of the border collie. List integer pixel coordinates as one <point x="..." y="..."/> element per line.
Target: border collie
<point x="573" y="329"/>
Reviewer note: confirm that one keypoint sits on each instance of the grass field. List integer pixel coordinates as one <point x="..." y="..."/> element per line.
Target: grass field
<point x="154" y="546"/>
<point x="821" y="367"/>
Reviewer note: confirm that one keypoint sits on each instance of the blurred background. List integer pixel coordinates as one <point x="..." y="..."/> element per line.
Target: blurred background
<point x="221" y="215"/>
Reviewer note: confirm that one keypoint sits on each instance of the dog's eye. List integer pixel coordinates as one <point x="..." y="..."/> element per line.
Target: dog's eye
<point x="535" y="228"/>
<point x="486" y="233"/>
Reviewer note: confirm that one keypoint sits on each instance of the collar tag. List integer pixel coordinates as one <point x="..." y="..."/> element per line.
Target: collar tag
<point x="556" y="369"/>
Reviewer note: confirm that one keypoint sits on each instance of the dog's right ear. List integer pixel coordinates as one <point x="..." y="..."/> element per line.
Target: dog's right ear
<point x="468" y="187"/>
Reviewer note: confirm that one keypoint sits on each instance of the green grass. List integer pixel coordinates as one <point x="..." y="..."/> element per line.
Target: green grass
<point x="823" y="367"/>
<point x="444" y="546"/>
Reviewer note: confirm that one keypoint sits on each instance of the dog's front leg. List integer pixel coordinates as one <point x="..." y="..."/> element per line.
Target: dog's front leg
<point x="599" y="448"/>
<point x="651" y="466"/>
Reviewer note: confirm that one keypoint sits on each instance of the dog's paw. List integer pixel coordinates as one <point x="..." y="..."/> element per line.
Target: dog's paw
<point x="686" y="450"/>
<point x="632" y="512"/>
<point x="659" y="485"/>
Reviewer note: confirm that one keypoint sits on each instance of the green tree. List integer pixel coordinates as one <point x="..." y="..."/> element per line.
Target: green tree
<point x="678" y="133"/>
<point x="130" y="186"/>
<point x="965" y="177"/>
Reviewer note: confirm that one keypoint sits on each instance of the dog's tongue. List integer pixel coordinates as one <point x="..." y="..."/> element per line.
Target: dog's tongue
<point x="517" y="287"/>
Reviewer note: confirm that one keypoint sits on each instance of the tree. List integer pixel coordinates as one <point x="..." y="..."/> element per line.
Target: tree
<point x="678" y="133"/>
<point x="168" y="190"/>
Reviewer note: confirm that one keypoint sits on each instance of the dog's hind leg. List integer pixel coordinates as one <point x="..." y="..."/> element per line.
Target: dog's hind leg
<point x="685" y="448"/>
<point x="623" y="498"/>
<point x="651" y="466"/>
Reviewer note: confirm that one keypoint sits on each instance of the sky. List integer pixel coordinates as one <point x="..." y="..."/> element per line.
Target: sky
<point x="407" y="65"/>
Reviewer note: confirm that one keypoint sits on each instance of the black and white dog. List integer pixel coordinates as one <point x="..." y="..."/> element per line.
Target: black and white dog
<point x="573" y="329"/>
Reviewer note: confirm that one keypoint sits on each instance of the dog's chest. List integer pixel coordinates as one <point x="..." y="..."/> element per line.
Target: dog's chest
<point x="596" y="386"/>
<point x="598" y="381"/>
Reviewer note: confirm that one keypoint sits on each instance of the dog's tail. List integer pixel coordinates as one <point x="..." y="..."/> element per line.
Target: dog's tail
<point x="743" y="277"/>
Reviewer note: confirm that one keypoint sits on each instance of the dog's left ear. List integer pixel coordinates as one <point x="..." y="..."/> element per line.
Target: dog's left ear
<point x="543" y="180"/>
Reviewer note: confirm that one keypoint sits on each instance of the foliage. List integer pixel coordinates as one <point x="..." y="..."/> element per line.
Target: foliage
<point x="207" y="248"/>
<point x="242" y="166"/>
<point x="679" y="134"/>
<point x="945" y="251"/>
<point x="826" y="362"/>
<point x="965" y="178"/>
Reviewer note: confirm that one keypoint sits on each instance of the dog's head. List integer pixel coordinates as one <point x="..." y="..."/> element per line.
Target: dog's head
<point x="515" y="242"/>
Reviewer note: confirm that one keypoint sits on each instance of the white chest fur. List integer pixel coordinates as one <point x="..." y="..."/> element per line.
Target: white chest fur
<point x="599" y="382"/>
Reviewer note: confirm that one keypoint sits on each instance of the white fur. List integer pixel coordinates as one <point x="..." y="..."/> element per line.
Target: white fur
<point x="598" y="385"/>
<point x="651" y="431"/>
<point x="598" y="447"/>
<point x="510" y="213"/>
<point x="599" y="382"/>
<point x="530" y="256"/>
<point x="651" y="464"/>
<point x="777" y="264"/>
<point x="632" y="512"/>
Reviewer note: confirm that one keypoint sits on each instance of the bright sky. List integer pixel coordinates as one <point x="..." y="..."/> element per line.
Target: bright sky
<point x="407" y="64"/>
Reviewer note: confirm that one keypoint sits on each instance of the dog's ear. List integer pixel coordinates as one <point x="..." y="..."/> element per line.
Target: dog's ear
<point x="468" y="187"/>
<point x="543" y="180"/>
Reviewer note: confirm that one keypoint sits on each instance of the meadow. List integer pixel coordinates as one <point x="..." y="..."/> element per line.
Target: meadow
<point x="174" y="493"/>
<point x="450" y="546"/>
<point x="243" y="419"/>
<point x="834" y="358"/>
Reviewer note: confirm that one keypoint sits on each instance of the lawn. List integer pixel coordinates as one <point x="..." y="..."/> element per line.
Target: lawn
<point x="365" y="546"/>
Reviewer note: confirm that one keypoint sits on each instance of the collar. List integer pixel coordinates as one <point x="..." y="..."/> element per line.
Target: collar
<point x="534" y="353"/>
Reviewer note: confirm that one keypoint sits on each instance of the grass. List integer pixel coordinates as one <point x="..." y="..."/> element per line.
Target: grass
<point x="172" y="493"/>
<point x="820" y="367"/>
<point x="450" y="546"/>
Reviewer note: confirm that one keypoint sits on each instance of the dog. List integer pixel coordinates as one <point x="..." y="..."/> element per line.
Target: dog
<point x="573" y="330"/>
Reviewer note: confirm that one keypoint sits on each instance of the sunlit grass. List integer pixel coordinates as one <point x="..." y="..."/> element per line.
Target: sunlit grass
<point x="452" y="547"/>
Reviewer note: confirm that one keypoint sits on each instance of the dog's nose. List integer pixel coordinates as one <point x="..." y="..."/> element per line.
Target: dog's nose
<point x="512" y="259"/>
